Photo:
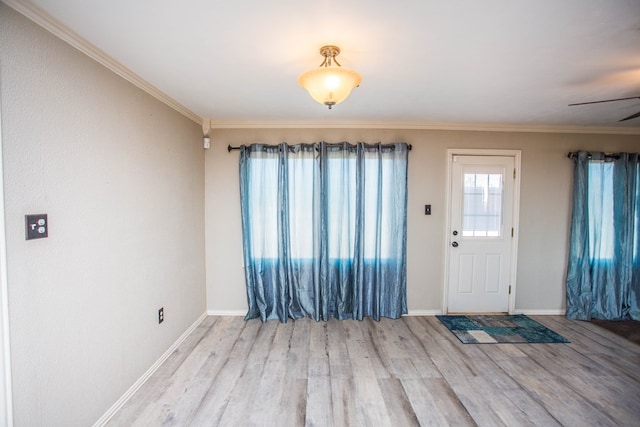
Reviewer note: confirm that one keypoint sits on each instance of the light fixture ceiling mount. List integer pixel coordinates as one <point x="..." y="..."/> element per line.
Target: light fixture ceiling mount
<point x="329" y="53"/>
<point x="330" y="83"/>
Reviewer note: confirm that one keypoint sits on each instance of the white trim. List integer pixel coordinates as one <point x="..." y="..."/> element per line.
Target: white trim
<point x="537" y="312"/>
<point x="516" y="231"/>
<point x="479" y="127"/>
<point x="424" y="312"/>
<point x="5" y="342"/>
<point x="227" y="312"/>
<point x="517" y="155"/>
<point x="60" y="30"/>
<point x="136" y="386"/>
<point x="447" y="227"/>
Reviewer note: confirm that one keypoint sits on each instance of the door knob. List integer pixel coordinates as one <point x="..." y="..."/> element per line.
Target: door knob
<point x="454" y="244"/>
<point x="455" y="232"/>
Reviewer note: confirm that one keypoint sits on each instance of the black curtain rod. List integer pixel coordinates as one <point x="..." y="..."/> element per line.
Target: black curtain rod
<point x="573" y="155"/>
<point x="231" y="148"/>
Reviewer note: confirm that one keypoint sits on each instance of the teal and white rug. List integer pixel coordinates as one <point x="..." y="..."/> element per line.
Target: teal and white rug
<point x="495" y="329"/>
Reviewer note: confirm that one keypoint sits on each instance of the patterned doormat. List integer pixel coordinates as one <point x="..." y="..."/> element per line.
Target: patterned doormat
<point x="496" y="329"/>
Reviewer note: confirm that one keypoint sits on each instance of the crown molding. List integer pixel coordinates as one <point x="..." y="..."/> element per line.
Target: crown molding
<point x="60" y="30"/>
<point x="478" y="127"/>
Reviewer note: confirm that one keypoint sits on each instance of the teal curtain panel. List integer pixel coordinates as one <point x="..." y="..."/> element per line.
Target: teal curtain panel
<point x="603" y="274"/>
<point x="324" y="230"/>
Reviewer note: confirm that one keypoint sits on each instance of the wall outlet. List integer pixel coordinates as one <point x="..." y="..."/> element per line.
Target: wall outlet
<point x="161" y="315"/>
<point x="37" y="226"/>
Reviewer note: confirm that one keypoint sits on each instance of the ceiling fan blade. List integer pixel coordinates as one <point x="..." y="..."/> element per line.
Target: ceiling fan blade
<point x="604" y="100"/>
<point x="633" y="116"/>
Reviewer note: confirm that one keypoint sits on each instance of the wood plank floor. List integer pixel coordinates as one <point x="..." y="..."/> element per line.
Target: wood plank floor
<point x="405" y="372"/>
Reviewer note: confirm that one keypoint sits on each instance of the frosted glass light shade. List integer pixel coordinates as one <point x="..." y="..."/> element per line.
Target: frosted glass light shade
<point x="329" y="85"/>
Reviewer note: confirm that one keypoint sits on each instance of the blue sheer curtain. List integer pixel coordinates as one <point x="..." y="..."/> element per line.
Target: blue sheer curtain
<point x="603" y="275"/>
<point x="324" y="230"/>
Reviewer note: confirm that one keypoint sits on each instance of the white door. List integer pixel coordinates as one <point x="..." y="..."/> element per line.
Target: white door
<point x="480" y="233"/>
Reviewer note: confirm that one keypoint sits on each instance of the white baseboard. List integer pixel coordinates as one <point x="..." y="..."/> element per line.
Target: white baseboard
<point x="423" y="312"/>
<point x="243" y="313"/>
<point x="533" y="312"/>
<point x="537" y="312"/>
<point x="227" y="313"/>
<point x="127" y="395"/>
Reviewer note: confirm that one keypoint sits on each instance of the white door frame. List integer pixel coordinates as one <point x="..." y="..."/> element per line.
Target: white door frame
<point x="6" y="395"/>
<point x="516" y="154"/>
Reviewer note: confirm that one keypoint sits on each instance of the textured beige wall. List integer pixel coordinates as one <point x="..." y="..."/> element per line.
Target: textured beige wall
<point x="545" y="205"/>
<point x="121" y="177"/>
<point x="129" y="192"/>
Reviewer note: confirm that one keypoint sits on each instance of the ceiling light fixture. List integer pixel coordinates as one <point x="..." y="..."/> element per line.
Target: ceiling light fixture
<point x="330" y="83"/>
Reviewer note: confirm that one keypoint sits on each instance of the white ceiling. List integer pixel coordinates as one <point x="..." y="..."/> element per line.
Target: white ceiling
<point x="490" y="62"/>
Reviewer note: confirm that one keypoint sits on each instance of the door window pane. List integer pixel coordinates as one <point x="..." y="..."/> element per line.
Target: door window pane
<point x="482" y="205"/>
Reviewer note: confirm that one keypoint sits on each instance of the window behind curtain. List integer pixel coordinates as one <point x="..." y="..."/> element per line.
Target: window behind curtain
<point x="600" y="196"/>
<point x="601" y="211"/>
<point x="341" y="207"/>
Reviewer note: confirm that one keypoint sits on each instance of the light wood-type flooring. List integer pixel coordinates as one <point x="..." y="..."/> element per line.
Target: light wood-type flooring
<point x="406" y="372"/>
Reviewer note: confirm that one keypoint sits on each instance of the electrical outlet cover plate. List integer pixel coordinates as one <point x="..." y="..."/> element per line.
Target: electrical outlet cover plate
<point x="37" y="226"/>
